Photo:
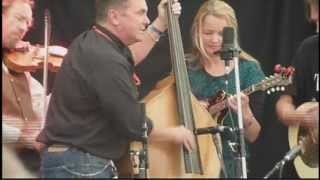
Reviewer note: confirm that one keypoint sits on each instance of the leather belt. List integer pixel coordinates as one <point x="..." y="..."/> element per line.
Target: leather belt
<point x="58" y="148"/>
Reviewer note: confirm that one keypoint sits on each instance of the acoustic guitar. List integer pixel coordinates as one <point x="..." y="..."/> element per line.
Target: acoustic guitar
<point x="307" y="163"/>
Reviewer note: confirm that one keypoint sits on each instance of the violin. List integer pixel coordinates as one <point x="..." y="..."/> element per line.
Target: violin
<point x="33" y="59"/>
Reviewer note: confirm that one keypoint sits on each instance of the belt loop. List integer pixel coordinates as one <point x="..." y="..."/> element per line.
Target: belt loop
<point x="58" y="148"/>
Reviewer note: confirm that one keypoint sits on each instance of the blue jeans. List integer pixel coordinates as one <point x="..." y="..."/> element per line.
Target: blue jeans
<point x="74" y="163"/>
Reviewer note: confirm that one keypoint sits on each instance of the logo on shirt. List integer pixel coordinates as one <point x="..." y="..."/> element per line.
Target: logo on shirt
<point x="316" y="79"/>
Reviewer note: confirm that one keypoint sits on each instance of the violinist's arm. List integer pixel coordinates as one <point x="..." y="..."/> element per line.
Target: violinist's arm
<point x="20" y="135"/>
<point x="23" y="46"/>
<point x="10" y="134"/>
<point x="36" y="90"/>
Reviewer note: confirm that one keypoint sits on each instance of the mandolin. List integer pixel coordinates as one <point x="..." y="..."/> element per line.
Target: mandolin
<point x="277" y="82"/>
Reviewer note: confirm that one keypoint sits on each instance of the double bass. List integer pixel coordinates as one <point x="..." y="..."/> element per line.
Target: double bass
<point x="172" y="104"/>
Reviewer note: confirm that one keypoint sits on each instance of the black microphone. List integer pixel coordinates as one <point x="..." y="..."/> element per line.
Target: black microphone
<point x="293" y="153"/>
<point x="212" y="130"/>
<point x="228" y="47"/>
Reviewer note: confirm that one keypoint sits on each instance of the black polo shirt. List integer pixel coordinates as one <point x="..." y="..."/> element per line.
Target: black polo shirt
<point x="305" y="85"/>
<point x="94" y="104"/>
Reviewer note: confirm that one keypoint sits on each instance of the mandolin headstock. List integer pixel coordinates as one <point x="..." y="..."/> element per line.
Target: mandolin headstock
<point x="279" y="80"/>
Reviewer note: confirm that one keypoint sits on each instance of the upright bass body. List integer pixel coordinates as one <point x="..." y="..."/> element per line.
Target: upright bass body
<point x="166" y="159"/>
<point x="171" y="104"/>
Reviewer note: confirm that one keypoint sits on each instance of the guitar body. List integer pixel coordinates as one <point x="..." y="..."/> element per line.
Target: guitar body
<point x="307" y="164"/>
<point x="166" y="159"/>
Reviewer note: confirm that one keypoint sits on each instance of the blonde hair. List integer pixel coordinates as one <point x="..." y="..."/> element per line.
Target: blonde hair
<point x="219" y="9"/>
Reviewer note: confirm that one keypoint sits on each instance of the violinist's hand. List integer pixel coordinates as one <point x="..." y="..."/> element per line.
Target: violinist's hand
<point x="39" y="146"/>
<point x="161" y="21"/>
<point x="28" y="136"/>
<point x="23" y="46"/>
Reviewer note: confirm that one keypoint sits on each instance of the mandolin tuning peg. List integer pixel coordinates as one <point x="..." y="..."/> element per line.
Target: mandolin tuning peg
<point x="278" y="88"/>
<point x="277" y="68"/>
<point x="283" y="88"/>
<point x="273" y="90"/>
<point x="268" y="92"/>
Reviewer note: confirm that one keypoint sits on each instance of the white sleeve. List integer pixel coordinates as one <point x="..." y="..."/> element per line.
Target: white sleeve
<point x="36" y="90"/>
<point x="10" y="134"/>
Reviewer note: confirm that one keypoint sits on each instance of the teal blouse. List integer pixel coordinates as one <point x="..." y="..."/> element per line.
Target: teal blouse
<point x="205" y="86"/>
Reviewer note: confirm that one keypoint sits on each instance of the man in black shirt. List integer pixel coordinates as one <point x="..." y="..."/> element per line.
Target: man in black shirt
<point x="94" y="111"/>
<point x="305" y="87"/>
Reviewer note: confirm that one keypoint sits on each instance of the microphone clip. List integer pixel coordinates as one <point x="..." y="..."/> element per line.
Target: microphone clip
<point x="213" y="130"/>
<point x="228" y="54"/>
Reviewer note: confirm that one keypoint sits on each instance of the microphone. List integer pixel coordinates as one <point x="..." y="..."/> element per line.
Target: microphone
<point x="212" y="130"/>
<point x="293" y="153"/>
<point x="228" y="47"/>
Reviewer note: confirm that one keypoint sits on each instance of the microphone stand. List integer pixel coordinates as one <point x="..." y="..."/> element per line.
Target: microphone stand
<point x="278" y="166"/>
<point x="227" y="54"/>
<point x="241" y="159"/>
<point x="215" y="133"/>
<point x="144" y="159"/>
<point x="290" y="155"/>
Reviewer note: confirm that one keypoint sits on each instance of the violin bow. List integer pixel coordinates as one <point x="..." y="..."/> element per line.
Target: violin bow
<point x="47" y="36"/>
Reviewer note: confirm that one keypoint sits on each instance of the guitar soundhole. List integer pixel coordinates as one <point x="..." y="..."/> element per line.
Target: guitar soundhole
<point x="310" y="155"/>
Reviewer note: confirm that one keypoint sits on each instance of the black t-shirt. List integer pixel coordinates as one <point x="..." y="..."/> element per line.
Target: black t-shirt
<point x="94" y="104"/>
<point x="306" y="79"/>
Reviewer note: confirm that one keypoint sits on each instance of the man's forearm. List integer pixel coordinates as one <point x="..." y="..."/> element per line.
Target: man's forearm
<point x="286" y="110"/>
<point x="141" y="49"/>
